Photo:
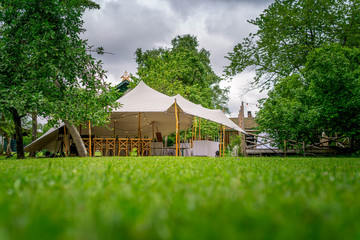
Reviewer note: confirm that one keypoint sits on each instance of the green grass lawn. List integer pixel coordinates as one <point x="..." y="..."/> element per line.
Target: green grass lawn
<point x="180" y="198"/>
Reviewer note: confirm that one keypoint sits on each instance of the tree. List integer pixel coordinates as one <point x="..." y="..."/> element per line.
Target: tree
<point x="182" y="69"/>
<point x="6" y="129"/>
<point x="45" y="66"/>
<point x="284" y="115"/>
<point x="288" y="31"/>
<point x="326" y="99"/>
<point x="332" y="74"/>
<point x="33" y="131"/>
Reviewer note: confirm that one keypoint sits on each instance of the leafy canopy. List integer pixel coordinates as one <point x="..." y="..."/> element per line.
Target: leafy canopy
<point x="182" y="69"/>
<point x="45" y="65"/>
<point x="288" y="31"/>
<point x="327" y="101"/>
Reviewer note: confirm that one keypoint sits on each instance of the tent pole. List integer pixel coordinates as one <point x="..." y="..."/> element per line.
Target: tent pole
<point x="192" y="133"/>
<point x="195" y="132"/>
<point x="114" y="127"/>
<point x="177" y="129"/>
<point x="90" y="139"/>
<point x="199" y="128"/>
<point x="223" y="141"/>
<point x="220" y="147"/>
<point x="153" y="129"/>
<point x="65" y="141"/>
<point x="223" y="128"/>
<point x="179" y="137"/>
<point x="139" y="127"/>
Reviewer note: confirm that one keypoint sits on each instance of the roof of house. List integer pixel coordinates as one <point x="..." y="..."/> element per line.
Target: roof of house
<point x="249" y="123"/>
<point x="123" y="86"/>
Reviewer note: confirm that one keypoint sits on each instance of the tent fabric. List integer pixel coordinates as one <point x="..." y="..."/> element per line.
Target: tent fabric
<point x="144" y="99"/>
<point x="50" y="141"/>
<point x="158" y="109"/>
<point x="213" y="115"/>
<point x="156" y="112"/>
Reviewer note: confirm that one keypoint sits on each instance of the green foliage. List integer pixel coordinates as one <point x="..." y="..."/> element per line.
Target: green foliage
<point x="180" y="198"/>
<point x="6" y="124"/>
<point x="44" y="128"/>
<point x="134" y="152"/>
<point x="27" y="140"/>
<point x="183" y="69"/>
<point x="44" y="64"/>
<point x="288" y="31"/>
<point x="326" y="100"/>
<point x="333" y="76"/>
<point x="235" y="144"/>
<point x="171" y="140"/>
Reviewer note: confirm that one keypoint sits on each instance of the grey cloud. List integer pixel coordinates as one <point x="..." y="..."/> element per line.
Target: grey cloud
<point x="188" y="7"/>
<point x="230" y="24"/>
<point x="122" y="27"/>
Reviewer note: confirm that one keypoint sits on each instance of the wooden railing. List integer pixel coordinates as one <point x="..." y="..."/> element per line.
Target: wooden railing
<point x="325" y="146"/>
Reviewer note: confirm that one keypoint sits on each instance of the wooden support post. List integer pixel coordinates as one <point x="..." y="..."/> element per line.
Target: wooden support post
<point x="199" y="128"/>
<point x="220" y="146"/>
<point x="192" y="133"/>
<point x="153" y="130"/>
<point x="179" y="138"/>
<point x="114" y="127"/>
<point x="223" y="128"/>
<point x="284" y="148"/>
<point x="65" y="141"/>
<point x="223" y="141"/>
<point x="90" y="154"/>
<point x="177" y="129"/>
<point x="196" y="126"/>
<point x="242" y="125"/>
<point x="139" y="126"/>
<point x="304" y="148"/>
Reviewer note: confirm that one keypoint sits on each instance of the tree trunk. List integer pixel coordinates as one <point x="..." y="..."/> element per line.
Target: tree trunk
<point x="34" y="131"/>
<point x="80" y="146"/>
<point x="2" y="144"/>
<point x="8" y="146"/>
<point x="3" y="135"/>
<point x="18" y="133"/>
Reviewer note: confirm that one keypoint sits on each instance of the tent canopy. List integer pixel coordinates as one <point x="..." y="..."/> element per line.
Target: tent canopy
<point x="50" y="141"/>
<point x="157" y="113"/>
<point x="158" y="110"/>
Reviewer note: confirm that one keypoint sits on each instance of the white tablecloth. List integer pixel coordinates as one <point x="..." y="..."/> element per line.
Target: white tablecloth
<point x="156" y="148"/>
<point x="205" y="148"/>
<point x="185" y="149"/>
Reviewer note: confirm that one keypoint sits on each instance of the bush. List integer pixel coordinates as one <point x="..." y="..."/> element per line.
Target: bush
<point x="134" y="152"/>
<point x="235" y="145"/>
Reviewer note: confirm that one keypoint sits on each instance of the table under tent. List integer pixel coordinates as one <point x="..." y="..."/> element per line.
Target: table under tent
<point x="145" y="116"/>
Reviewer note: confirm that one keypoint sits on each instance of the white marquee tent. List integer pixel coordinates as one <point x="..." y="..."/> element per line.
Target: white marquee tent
<point x="158" y="110"/>
<point x="143" y="109"/>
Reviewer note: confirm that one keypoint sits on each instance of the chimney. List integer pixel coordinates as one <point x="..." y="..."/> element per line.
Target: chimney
<point x="241" y="116"/>
<point x="249" y="114"/>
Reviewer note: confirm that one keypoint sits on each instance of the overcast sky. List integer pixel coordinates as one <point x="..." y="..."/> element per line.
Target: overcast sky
<point x="122" y="26"/>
